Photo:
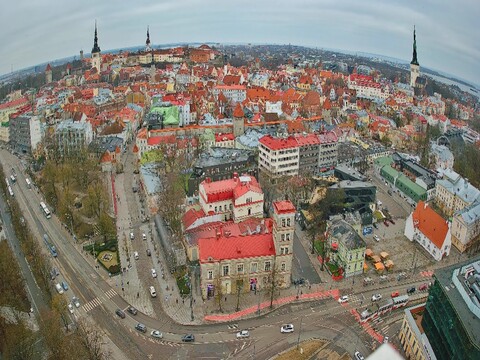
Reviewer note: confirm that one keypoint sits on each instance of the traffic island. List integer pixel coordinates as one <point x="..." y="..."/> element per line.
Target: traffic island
<point x="303" y="351"/>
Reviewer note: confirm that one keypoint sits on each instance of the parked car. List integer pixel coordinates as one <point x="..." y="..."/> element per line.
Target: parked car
<point x="343" y="299"/>
<point x="120" y="313"/>
<point x="132" y="236"/>
<point x="385" y="339"/>
<point x="300" y="281"/>
<point x="70" y="308"/>
<point x="375" y="225"/>
<point x="154" y="273"/>
<point x="132" y="310"/>
<point x="153" y="293"/>
<point x="359" y="356"/>
<point x="376" y="297"/>
<point x="144" y="236"/>
<point x="140" y="327"/>
<point x="287" y="328"/>
<point x="149" y="253"/>
<point x="59" y="288"/>
<point x="386" y="223"/>
<point x="76" y="302"/>
<point x="376" y="237"/>
<point x="135" y="255"/>
<point x="383" y="278"/>
<point x="423" y="287"/>
<point x="243" y="334"/>
<point x="392" y="221"/>
<point x="395" y="294"/>
<point x="64" y="285"/>
<point x="188" y="338"/>
<point x="411" y="290"/>
<point x="156" y="334"/>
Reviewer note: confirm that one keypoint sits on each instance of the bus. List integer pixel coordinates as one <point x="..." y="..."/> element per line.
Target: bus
<point x="45" y="210"/>
<point x="13" y="179"/>
<point x="50" y="246"/>
<point x="29" y="183"/>
<point x="10" y="191"/>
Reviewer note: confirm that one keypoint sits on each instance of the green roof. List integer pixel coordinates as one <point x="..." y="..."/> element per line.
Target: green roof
<point x="5" y="124"/>
<point x="170" y="114"/>
<point x="382" y="161"/>
<point x="417" y="189"/>
<point x="387" y="169"/>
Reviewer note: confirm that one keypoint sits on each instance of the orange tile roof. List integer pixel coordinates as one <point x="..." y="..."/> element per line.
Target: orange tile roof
<point x="283" y="207"/>
<point x="431" y="224"/>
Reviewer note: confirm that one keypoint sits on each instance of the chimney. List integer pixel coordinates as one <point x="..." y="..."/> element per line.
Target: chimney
<point x="235" y="176"/>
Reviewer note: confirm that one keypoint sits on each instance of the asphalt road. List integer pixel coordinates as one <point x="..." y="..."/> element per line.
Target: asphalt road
<point x="302" y="266"/>
<point x="324" y="319"/>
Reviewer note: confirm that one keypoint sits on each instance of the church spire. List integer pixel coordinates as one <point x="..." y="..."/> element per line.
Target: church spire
<point x="147" y="43"/>
<point x="414" y="57"/>
<point x="96" y="48"/>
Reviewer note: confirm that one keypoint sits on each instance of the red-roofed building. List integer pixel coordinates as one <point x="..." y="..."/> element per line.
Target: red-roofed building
<point x="248" y="261"/>
<point x="430" y="230"/>
<point x="238" y="198"/>
<point x="225" y="140"/>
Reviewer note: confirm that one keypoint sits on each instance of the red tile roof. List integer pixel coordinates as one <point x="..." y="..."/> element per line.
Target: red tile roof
<point x="278" y="143"/>
<point x="224" y="137"/>
<point x="283" y="207"/>
<point x="431" y="224"/>
<point x="229" y="189"/>
<point x="238" y="112"/>
<point x="14" y="104"/>
<point x="226" y="248"/>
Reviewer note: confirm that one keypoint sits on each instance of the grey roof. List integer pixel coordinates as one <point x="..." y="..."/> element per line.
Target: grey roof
<point x="471" y="213"/>
<point x="150" y="177"/>
<point x="103" y="143"/>
<point x="218" y="155"/>
<point x="345" y="234"/>
<point x="461" y="188"/>
<point x="251" y="138"/>
<point x="346" y="184"/>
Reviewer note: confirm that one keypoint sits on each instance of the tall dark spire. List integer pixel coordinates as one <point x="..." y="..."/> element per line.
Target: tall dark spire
<point x="96" y="48"/>
<point x="148" y="38"/>
<point x="414" y="57"/>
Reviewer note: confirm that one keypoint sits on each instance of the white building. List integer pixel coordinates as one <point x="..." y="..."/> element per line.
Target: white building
<point x="73" y="135"/>
<point x="234" y="93"/>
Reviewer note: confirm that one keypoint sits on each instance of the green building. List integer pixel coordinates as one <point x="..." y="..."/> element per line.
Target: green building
<point x="451" y="319"/>
<point x="169" y="114"/>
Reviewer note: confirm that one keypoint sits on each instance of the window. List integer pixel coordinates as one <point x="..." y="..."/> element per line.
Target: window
<point x="249" y="200"/>
<point x="268" y="266"/>
<point x="210" y="274"/>
<point x="283" y="267"/>
<point x="283" y="222"/>
<point x="283" y="237"/>
<point x="239" y="268"/>
<point x="216" y="209"/>
<point x="225" y="270"/>
<point x="288" y="222"/>
<point x="253" y="268"/>
<point x="288" y="237"/>
<point x="284" y="250"/>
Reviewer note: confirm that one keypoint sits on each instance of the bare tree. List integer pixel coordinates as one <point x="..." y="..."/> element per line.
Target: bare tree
<point x="170" y="199"/>
<point x="274" y="282"/>
<point x="219" y="293"/>
<point x="92" y="340"/>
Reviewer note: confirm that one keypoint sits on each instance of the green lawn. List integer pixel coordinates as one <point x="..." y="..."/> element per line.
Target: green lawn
<point x="319" y="246"/>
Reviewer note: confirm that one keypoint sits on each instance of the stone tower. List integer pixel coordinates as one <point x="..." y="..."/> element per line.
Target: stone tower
<point x="414" y="66"/>
<point x="283" y="231"/>
<point x="238" y="121"/>
<point x="96" y="55"/>
<point x="48" y="74"/>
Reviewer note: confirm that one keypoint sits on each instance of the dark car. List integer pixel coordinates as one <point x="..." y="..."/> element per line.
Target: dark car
<point x="149" y="253"/>
<point x="188" y="338"/>
<point x="132" y="310"/>
<point x="141" y="328"/>
<point x="391" y="220"/>
<point x="375" y="225"/>
<point x="300" y="281"/>
<point x="411" y="290"/>
<point x="120" y="313"/>
<point x="386" y="223"/>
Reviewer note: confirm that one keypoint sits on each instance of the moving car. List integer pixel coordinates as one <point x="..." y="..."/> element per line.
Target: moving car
<point x="140" y="327"/>
<point x="120" y="313"/>
<point x="188" y="338"/>
<point x="76" y="302"/>
<point x="385" y="339"/>
<point x="376" y="237"/>
<point x="395" y="294"/>
<point x="343" y="299"/>
<point x="132" y="310"/>
<point x="243" y="334"/>
<point x="153" y="293"/>
<point x="70" y="308"/>
<point x="64" y="285"/>
<point x="376" y="297"/>
<point x="156" y="334"/>
<point x="287" y="328"/>
<point x="154" y="273"/>
<point x="359" y="356"/>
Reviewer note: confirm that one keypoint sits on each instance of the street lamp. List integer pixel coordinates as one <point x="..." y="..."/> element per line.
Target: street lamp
<point x="299" y="332"/>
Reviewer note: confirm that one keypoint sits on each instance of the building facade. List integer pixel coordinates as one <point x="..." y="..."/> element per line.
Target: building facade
<point x="71" y="136"/>
<point x="466" y="228"/>
<point x="25" y="133"/>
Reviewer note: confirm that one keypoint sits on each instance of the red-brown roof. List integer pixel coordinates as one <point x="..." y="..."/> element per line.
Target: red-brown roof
<point x="283" y="207"/>
<point x="431" y="224"/>
<point x="278" y="143"/>
<point x="225" y="248"/>
<point x="229" y="189"/>
<point x="238" y="112"/>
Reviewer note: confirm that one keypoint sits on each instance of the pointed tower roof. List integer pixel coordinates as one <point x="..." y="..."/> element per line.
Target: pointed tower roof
<point x="48" y="68"/>
<point x="414" y="57"/>
<point x="238" y="112"/>
<point x="96" y="48"/>
<point x="148" y="38"/>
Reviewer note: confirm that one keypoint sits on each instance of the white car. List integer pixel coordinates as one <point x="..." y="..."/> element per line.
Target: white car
<point x="135" y="255"/>
<point x="385" y="339"/>
<point x="132" y="236"/>
<point x="243" y="334"/>
<point x="376" y="237"/>
<point x="343" y="299"/>
<point x="287" y="328"/>
<point x="154" y="273"/>
<point x="70" y="308"/>
<point x="153" y="293"/>
<point x="76" y="302"/>
<point x="144" y="237"/>
<point x="359" y="356"/>
<point x="376" y="297"/>
<point x="156" y="334"/>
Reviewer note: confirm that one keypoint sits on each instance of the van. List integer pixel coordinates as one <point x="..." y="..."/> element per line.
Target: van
<point x="59" y="288"/>
<point x="153" y="292"/>
<point x="135" y="255"/>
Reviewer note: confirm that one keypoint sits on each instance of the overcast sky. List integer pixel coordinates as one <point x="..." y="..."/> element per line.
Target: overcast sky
<point x="448" y="37"/>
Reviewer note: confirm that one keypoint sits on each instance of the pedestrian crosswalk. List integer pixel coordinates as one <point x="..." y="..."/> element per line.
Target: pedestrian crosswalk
<point x="110" y="293"/>
<point x="233" y="326"/>
<point x="92" y="304"/>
